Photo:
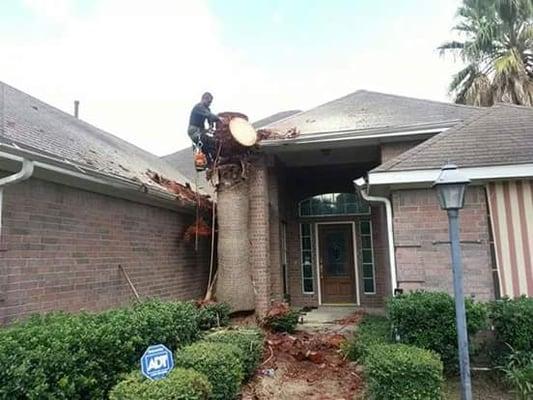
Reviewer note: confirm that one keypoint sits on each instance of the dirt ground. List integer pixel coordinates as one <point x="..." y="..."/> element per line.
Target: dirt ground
<point x="305" y="365"/>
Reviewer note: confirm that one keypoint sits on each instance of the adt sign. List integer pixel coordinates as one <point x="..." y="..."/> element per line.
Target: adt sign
<point x="156" y="362"/>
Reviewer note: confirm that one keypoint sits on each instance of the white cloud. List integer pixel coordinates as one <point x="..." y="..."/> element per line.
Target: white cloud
<point x="138" y="67"/>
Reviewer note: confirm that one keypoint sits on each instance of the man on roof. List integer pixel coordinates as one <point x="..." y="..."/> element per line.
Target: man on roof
<point x="199" y="134"/>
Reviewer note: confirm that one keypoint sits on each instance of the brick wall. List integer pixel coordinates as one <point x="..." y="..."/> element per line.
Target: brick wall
<point x="62" y="247"/>
<point x="422" y="251"/>
<point x="392" y="150"/>
<point x="259" y="234"/>
<point x="276" y="273"/>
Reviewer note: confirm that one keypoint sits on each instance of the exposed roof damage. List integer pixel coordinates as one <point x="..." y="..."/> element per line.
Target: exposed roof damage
<point x="30" y="124"/>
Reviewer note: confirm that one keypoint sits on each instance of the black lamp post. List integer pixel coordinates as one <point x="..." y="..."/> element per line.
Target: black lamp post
<point x="451" y="187"/>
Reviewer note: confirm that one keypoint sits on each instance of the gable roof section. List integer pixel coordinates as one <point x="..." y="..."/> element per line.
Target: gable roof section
<point x="30" y="124"/>
<point x="501" y="135"/>
<point x="365" y="110"/>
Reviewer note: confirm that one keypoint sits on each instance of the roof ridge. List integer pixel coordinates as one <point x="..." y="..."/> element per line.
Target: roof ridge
<point x="511" y="105"/>
<point x="425" y="100"/>
<point x="430" y="142"/>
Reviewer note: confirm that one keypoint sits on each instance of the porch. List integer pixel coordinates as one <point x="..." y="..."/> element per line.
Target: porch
<point x="328" y="246"/>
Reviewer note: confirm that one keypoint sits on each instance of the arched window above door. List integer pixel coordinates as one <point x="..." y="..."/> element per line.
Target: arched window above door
<point x="333" y="204"/>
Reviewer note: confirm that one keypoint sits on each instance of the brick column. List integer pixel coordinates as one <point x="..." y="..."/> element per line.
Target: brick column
<point x="276" y="273"/>
<point x="259" y="233"/>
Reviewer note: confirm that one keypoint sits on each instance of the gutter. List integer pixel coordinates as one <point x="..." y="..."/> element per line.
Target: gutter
<point x="362" y="187"/>
<point x="26" y="171"/>
<point x="361" y="134"/>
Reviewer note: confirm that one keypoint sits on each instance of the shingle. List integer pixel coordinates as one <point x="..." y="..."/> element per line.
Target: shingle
<point x="35" y="125"/>
<point x="502" y="135"/>
<point x="368" y="110"/>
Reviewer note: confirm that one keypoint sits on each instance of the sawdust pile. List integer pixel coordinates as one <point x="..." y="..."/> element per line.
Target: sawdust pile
<point x="304" y="366"/>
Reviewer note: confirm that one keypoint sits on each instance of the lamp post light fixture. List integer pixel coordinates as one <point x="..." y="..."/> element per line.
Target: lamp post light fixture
<point x="451" y="188"/>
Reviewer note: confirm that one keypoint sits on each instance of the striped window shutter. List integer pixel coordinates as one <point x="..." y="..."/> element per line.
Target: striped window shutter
<point x="511" y="215"/>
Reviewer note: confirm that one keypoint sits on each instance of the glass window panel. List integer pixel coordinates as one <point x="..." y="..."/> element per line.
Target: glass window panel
<point x="306" y="257"/>
<point x="333" y="204"/>
<point x="366" y="242"/>
<point x="368" y="271"/>
<point x="308" y="285"/>
<point x="365" y="227"/>
<point x="308" y="270"/>
<point x="367" y="256"/>
<point x="305" y="208"/>
<point x="306" y="229"/>
<point x="369" y="285"/>
<point x="306" y="243"/>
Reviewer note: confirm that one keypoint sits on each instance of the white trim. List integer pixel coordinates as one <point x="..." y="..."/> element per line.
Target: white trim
<point x="373" y="259"/>
<point x="360" y="134"/>
<point x="317" y="246"/>
<point x="429" y="175"/>
<point x="301" y="252"/>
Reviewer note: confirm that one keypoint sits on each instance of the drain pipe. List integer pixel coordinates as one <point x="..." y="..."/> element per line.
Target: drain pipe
<point x="25" y="172"/>
<point x="361" y="187"/>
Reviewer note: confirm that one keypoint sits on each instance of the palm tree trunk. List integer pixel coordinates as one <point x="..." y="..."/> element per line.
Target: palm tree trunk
<point x="234" y="281"/>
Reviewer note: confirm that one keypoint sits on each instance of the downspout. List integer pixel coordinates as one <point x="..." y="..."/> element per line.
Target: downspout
<point x="361" y="187"/>
<point x="25" y="172"/>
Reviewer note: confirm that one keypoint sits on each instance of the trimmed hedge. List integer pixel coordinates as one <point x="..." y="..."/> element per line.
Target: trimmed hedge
<point x="213" y="315"/>
<point x="427" y="320"/>
<point x="179" y="384"/>
<point x="513" y="324"/>
<point x="220" y="362"/>
<point x="250" y="341"/>
<point x="399" y="372"/>
<point x="65" y="356"/>
<point x="371" y="331"/>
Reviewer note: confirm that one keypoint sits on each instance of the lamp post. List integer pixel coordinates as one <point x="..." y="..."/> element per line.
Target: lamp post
<point x="451" y="187"/>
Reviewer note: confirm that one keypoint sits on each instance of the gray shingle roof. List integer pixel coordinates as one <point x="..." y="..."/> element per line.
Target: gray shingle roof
<point x="275" y="117"/>
<point x="369" y="110"/>
<point x="34" y="125"/>
<point x="501" y="135"/>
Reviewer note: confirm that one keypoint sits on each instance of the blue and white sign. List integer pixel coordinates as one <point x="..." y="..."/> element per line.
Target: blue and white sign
<point x="156" y="362"/>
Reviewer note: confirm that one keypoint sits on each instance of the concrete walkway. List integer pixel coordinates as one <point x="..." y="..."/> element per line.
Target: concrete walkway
<point x="326" y="318"/>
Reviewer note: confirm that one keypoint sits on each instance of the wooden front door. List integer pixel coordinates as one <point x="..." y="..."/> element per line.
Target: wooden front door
<point x="337" y="272"/>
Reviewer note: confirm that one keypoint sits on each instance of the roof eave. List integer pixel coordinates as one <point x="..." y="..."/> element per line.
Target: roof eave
<point x="362" y="135"/>
<point x="381" y="182"/>
<point x="69" y="175"/>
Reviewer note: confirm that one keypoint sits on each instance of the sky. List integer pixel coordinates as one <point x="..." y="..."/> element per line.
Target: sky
<point x="138" y="66"/>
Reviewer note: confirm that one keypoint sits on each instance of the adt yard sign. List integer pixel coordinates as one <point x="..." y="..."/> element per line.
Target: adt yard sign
<point x="156" y="362"/>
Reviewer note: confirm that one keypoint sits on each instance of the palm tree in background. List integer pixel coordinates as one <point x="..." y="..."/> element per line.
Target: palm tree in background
<point x="498" y="52"/>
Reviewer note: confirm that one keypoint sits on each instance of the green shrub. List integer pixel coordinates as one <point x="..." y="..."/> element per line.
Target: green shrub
<point x="518" y="373"/>
<point x="281" y="318"/>
<point x="250" y="341"/>
<point x="427" y="320"/>
<point x="371" y="331"/>
<point x="399" y="372"/>
<point x="179" y="384"/>
<point x="513" y="324"/>
<point x="213" y="315"/>
<point x="65" y="356"/>
<point x="220" y="362"/>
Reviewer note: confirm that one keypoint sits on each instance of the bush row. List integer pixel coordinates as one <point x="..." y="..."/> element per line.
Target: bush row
<point x="427" y="320"/>
<point x="65" y="356"/>
<point x="223" y="360"/>
<point x="393" y="371"/>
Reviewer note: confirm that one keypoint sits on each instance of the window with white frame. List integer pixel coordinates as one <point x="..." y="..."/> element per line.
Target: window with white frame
<point x="306" y="257"/>
<point x="367" y="249"/>
<point x="332" y="204"/>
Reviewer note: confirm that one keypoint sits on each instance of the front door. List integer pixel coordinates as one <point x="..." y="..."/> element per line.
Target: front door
<point x="337" y="272"/>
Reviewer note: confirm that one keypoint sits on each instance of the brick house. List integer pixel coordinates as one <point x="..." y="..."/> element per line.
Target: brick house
<point x="328" y="242"/>
<point x="75" y="203"/>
